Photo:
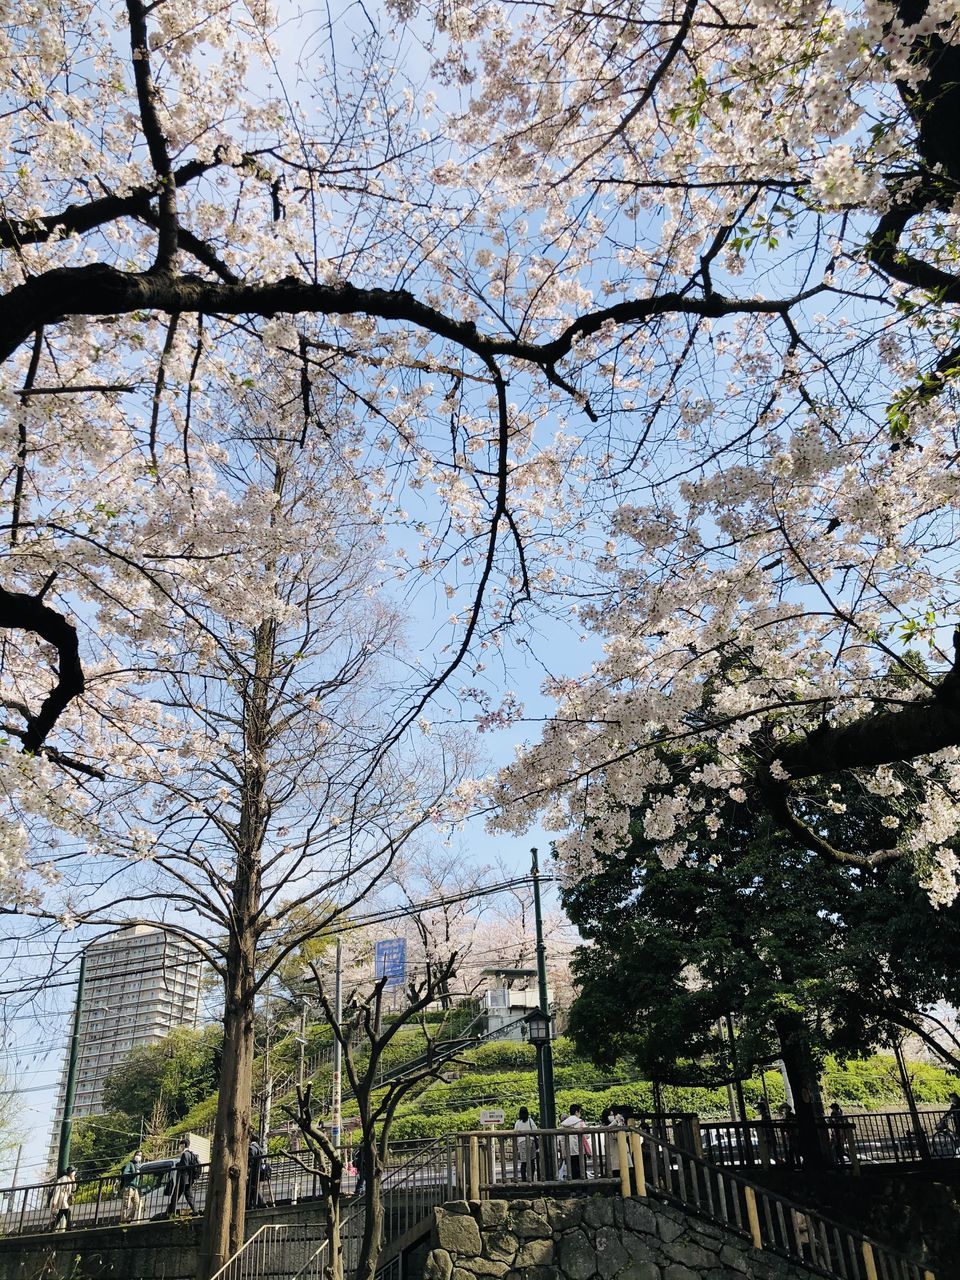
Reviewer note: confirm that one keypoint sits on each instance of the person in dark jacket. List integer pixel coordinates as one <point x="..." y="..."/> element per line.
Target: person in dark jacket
<point x="254" y="1167"/>
<point x="185" y="1173"/>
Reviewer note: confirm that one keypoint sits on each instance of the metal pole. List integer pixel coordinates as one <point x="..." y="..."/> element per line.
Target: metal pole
<point x="545" y="1055"/>
<point x="266" y="1083"/>
<point x="66" y="1124"/>
<point x="301" y="1064"/>
<point x="337" y="1051"/>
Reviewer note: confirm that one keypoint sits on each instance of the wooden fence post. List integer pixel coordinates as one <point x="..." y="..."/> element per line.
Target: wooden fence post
<point x="636" y="1150"/>
<point x="474" y="1177"/>
<point x="753" y="1218"/>
<point x="623" y="1155"/>
<point x="869" y="1261"/>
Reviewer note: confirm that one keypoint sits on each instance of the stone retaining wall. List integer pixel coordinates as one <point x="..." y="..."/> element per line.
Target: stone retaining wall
<point x="600" y="1238"/>
<point x="158" y="1250"/>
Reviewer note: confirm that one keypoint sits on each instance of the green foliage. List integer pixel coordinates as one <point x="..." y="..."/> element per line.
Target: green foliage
<point x="502" y="1055"/>
<point x="874" y="1083"/>
<point x="100" y="1143"/>
<point x="201" y="1114"/>
<point x="182" y="1070"/>
<point x="792" y="944"/>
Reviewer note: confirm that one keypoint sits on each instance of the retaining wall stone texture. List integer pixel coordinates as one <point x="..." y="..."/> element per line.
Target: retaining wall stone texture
<point x="601" y="1238"/>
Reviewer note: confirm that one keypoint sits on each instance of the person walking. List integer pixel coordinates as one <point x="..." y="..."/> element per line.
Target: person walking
<point x="61" y="1198"/>
<point x="788" y="1128"/>
<point x="574" y="1149"/>
<point x="131" y="1200"/>
<point x="185" y="1173"/>
<point x="526" y="1146"/>
<point x="360" y="1164"/>
<point x="254" y="1169"/>
<point x="613" y="1118"/>
<point x="838" y="1126"/>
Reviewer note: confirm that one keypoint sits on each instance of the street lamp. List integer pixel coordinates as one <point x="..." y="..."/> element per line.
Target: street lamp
<point x="537" y="1028"/>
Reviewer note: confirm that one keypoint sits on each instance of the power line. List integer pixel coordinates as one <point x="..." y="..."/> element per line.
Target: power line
<point x="385" y="916"/>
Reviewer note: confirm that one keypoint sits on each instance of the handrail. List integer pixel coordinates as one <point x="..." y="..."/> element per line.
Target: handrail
<point x="645" y="1165"/>
<point x="250" y="1245"/>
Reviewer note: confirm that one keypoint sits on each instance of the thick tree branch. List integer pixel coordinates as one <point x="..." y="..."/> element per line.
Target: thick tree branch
<point x="148" y="100"/>
<point x="78" y="218"/>
<point x="928" y="725"/>
<point x="100" y="290"/>
<point x="21" y="612"/>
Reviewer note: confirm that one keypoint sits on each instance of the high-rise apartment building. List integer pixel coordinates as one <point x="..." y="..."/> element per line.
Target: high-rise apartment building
<point x="140" y="983"/>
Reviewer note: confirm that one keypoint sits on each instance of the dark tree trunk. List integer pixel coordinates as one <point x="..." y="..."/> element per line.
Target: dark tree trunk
<point x="803" y="1074"/>
<point x="227" y="1187"/>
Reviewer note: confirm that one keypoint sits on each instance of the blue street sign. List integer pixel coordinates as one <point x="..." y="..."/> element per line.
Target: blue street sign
<point x="390" y="958"/>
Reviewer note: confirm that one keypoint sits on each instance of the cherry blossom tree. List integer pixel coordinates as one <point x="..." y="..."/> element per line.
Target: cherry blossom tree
<point x="706" y="249"/>
<point x="646" y="316"/>
<point x="243" y="697"/>
<point x="780" y="184"/>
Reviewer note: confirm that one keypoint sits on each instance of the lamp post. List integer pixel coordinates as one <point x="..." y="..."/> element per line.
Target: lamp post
<point x="538" y="1029"/>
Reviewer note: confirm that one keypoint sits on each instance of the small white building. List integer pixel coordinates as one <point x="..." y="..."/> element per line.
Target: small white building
<point x="511" y="997"/>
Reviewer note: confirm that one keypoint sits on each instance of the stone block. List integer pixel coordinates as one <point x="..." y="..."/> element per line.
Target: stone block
<point x="598" y="1212"/>
<point x="640" y="1271"/>
<point x="493" y="1213"/>
<point x="689" y="1253"/>
<point x="535" y="1253"/>
<point x="611" y="1255"/>
<point x="734" y="1259"/>
<point x="638" y="1216"/>
<point x="438" y="1266"/>
<point x="669" y="1228"/>
<point x="458" y="1233"/>
<point x="530" y="1225"/>
<point x="677" y="1272"/>
<point x="500" y="1245"/>
<point x="578" y="1257"/>
<point x="456" y="1207"/>
<point x="564" y="1214"/>
<point x="641" y="1246"/>
<point x="483" y="1266"/>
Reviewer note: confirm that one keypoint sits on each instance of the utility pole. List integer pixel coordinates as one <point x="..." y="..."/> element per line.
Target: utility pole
<point x="66" y="1124"/>
<point x="337" y="1051"/>
<point x="548" y="1106"/>
<point x="266" y="1093"/>
<point x="302" y="1041"/>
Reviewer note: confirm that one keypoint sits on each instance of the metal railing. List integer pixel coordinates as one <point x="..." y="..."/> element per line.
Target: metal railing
<point x="95" y="1202"/>
<point x="639" y="1164"/>
<point x="277" y="1249"/>
<point x="877" y="1137"/>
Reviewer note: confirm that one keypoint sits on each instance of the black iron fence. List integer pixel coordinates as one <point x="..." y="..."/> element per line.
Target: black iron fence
<point x="878" y="1137"/>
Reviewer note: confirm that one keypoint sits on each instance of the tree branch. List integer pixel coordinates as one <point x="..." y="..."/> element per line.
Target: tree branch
<point x="21" y="612"/>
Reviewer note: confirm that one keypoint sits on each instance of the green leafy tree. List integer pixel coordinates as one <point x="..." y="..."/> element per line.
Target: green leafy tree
<point x="181" y="1070"/>
<point x="101" y="1142"/>
<point x="807" y="955"/>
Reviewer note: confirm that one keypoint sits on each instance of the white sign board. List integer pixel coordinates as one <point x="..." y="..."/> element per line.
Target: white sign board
<point x="494" y="1116"/>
